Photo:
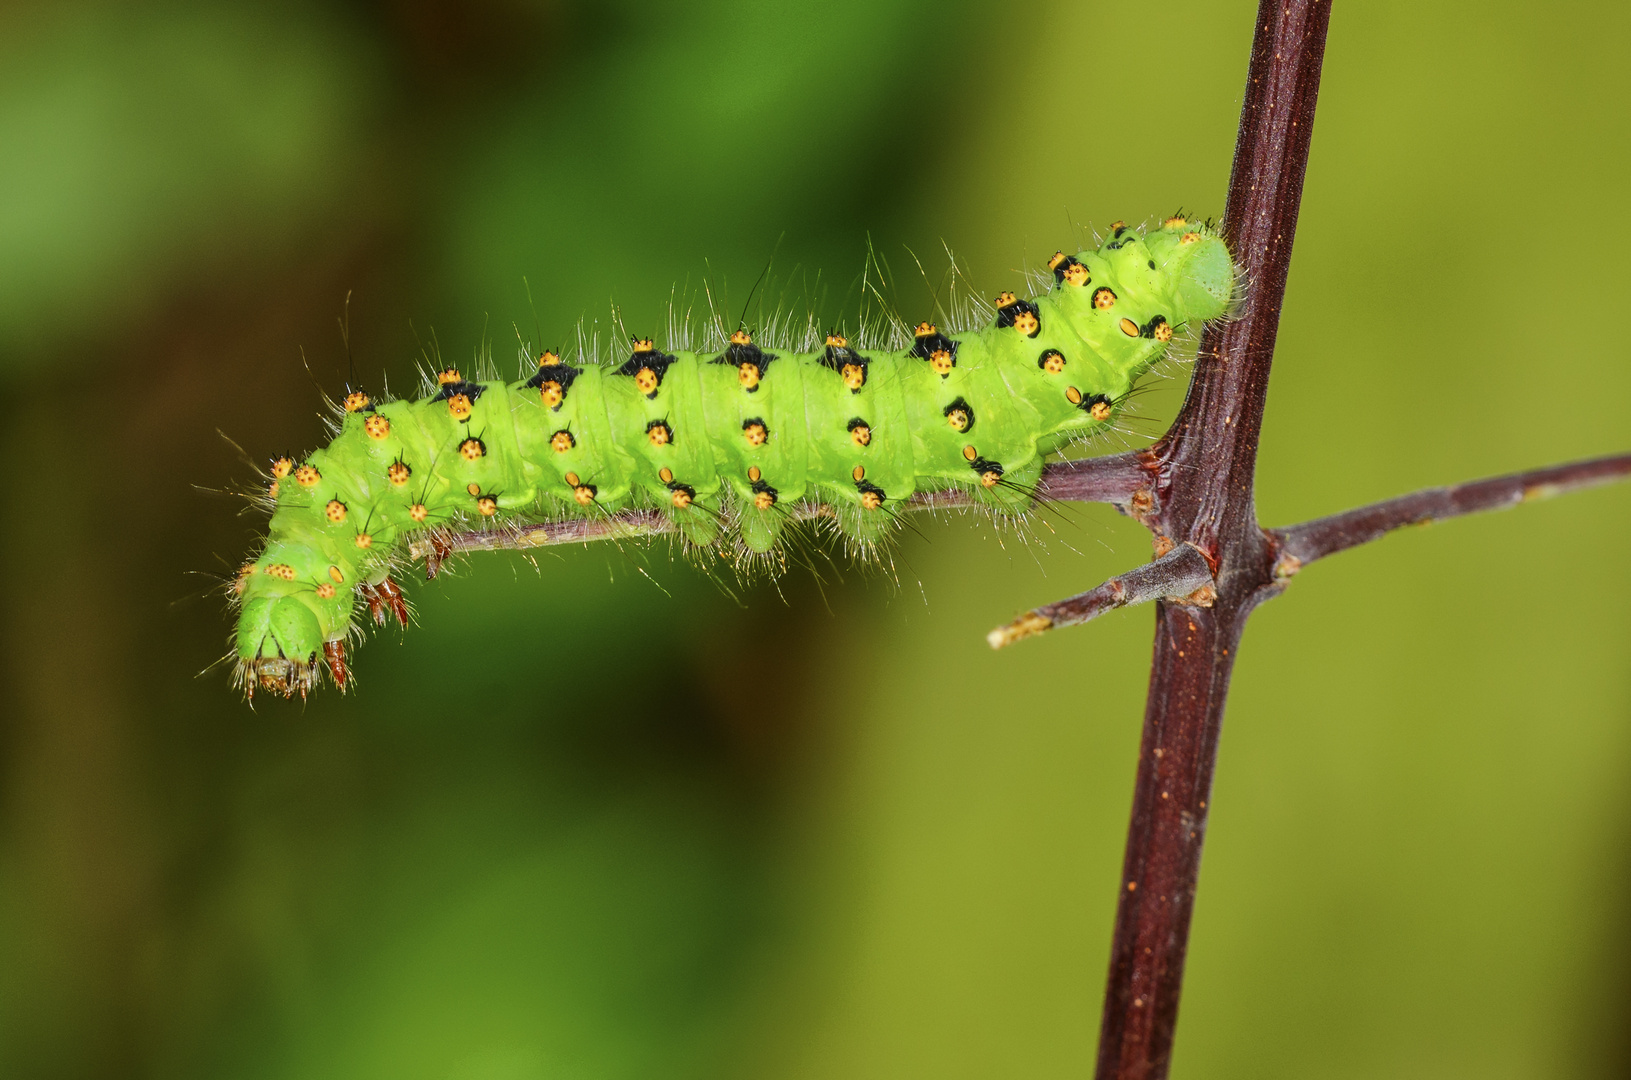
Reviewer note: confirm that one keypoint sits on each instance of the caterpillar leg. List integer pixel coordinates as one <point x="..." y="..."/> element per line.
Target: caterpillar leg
<point x="867" y="522"/>
<point x="761" y="529"/>
<point x="334" y="656"/>
<point x="696" y="521"/>
<point x="384" y="598"/>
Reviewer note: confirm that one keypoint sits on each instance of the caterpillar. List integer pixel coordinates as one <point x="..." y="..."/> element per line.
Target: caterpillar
<point x="726" y="444"/>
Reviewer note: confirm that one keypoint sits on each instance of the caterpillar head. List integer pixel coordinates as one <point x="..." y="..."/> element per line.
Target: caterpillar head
<point x="1204" y="283"/>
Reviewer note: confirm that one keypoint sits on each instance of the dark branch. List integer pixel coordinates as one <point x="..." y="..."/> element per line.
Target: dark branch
<point x="1205" y="469"/>
<point x="1302" y="544"/>
<point x="1181" y="574"/>
<point x="1118" y="479"/>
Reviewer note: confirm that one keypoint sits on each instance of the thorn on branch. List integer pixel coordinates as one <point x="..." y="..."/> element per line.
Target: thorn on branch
<point x="1182" y="574"/>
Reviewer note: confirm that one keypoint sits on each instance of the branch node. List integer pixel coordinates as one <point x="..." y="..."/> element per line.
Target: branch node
<point x="1205" y="596"/>
<point x="1286" y="567"/>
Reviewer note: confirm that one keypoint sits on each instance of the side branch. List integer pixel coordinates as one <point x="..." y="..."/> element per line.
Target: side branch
<point x="1117" y="479"/>
<point x="1181" y="574"/>
<point x="1302" y="544"/>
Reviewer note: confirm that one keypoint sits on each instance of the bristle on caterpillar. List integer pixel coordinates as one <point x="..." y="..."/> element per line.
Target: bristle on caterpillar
<point x="726" y="447"/>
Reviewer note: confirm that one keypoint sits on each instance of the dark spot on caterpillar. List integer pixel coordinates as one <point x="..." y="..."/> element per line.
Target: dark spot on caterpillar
<point x="1068" y="268"/>
<point x="335" y="511"/>
<point x="472" y="449"/>
<point x="659" y="433"/>
<point x="1152" y="264"/>
<point x="764" y="496"/>
<point x="872" y="496"/>
<point x="849" y="364"/>
<point x="1104" y="298"/>
<point x="960" y="415"/>
<point x="583" y="493"/>
<point x="1022" y="315"/>
<point x="859" y="431"/>
<point x="562" y="441"/>
<point x="990" y="471"/>
<point x="938" y="349"/>
<point x="471" y="390"/>
<point x="1052" y="361"/>
<point x="460" y="396"/>
<point x="398" y="472"/>
<point x="681" y="495"/>
<point x="647" y="366"/>
<point x="750" y="361"/>
<point x="1095" y="405"/>
<point x="1116" y="241"/>
<point x="552" y="382"/>
<point x="754" y="431"/>
<point x="1157" y="328"/>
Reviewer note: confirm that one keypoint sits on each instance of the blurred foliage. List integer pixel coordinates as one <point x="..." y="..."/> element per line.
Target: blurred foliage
<point x="601" y="819"/>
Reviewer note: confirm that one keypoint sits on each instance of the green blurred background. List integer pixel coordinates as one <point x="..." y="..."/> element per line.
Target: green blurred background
<point x="599" y="821"/>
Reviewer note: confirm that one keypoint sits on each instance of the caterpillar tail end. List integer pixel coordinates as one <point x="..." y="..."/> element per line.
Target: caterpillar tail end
<point x="1027" y="625"/>
<point x="282" y="649"/>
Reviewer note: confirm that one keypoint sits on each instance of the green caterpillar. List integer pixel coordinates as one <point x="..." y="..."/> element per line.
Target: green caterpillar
<point x="725" y="444"/>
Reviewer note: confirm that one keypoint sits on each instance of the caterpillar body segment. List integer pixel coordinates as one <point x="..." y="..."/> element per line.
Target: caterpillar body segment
<point x="724" y="443"/>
